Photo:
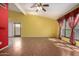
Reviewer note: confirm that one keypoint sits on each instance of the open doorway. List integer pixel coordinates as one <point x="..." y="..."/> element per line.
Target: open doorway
<point x="17" y="30"/>
<point x="14" y="30"/>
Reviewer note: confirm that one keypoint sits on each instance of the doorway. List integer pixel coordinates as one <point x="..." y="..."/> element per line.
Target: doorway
<point x="17" y="30"/>
<point x="14" y="30"/>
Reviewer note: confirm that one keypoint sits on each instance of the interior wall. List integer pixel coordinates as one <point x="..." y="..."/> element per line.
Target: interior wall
<point x="3" y="27"/>
<point x="35" y="26"/>
<point x="10" y="29"/>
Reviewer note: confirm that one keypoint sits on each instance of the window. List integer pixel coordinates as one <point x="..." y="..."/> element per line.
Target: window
<point x="76" y="30"/>
<point x="63" y="28"/>
<point x="66" y="32"/>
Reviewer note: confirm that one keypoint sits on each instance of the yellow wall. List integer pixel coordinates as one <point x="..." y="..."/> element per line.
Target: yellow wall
<point x="35" y="26"/>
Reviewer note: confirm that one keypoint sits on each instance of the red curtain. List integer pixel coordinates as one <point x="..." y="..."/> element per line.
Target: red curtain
<point x="72" y="18"/>
<point x="72" y="23"/>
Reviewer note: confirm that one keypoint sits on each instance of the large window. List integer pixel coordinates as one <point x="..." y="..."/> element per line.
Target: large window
<point x="63" y="27"/>
<point x="66" y="32"/>
<point x="77" y="32"/>
<point x="70" y="25"/>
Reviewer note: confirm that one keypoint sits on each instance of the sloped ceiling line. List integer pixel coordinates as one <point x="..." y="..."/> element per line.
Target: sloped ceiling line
<point x="20" y="8"/>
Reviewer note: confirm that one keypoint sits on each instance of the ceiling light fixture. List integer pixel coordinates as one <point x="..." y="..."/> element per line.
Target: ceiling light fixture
<point x="40" y="6"/>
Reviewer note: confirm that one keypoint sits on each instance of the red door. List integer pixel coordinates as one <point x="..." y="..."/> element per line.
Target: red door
<point x="3" y="25"/>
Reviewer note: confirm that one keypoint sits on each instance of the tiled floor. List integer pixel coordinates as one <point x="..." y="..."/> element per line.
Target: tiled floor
<point x="32" y="46"/>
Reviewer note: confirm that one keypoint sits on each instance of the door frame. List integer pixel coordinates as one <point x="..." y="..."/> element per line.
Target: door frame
<point x="15" y="31"/>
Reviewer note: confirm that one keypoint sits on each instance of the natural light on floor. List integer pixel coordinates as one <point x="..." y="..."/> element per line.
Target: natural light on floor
<point x="67" y="40"/>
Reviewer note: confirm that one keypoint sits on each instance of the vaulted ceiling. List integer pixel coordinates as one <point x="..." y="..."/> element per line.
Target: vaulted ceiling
<point x="55" y="10"/>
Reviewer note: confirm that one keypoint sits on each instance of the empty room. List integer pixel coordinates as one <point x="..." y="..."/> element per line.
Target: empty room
<point x="42" y="29"/>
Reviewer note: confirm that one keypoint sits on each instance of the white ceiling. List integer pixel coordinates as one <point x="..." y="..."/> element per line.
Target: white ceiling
<point x="55" y="10"/>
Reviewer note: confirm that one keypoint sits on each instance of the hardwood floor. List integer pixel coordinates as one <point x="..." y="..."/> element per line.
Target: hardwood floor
<point x="31" y="47"/>
<point x="35" y="46"/>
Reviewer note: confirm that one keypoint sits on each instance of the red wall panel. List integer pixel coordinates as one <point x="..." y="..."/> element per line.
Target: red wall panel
<point x="4" y="26"/>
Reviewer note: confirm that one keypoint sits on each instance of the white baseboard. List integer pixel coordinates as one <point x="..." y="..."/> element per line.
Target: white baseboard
<point x="3" y="48"/>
